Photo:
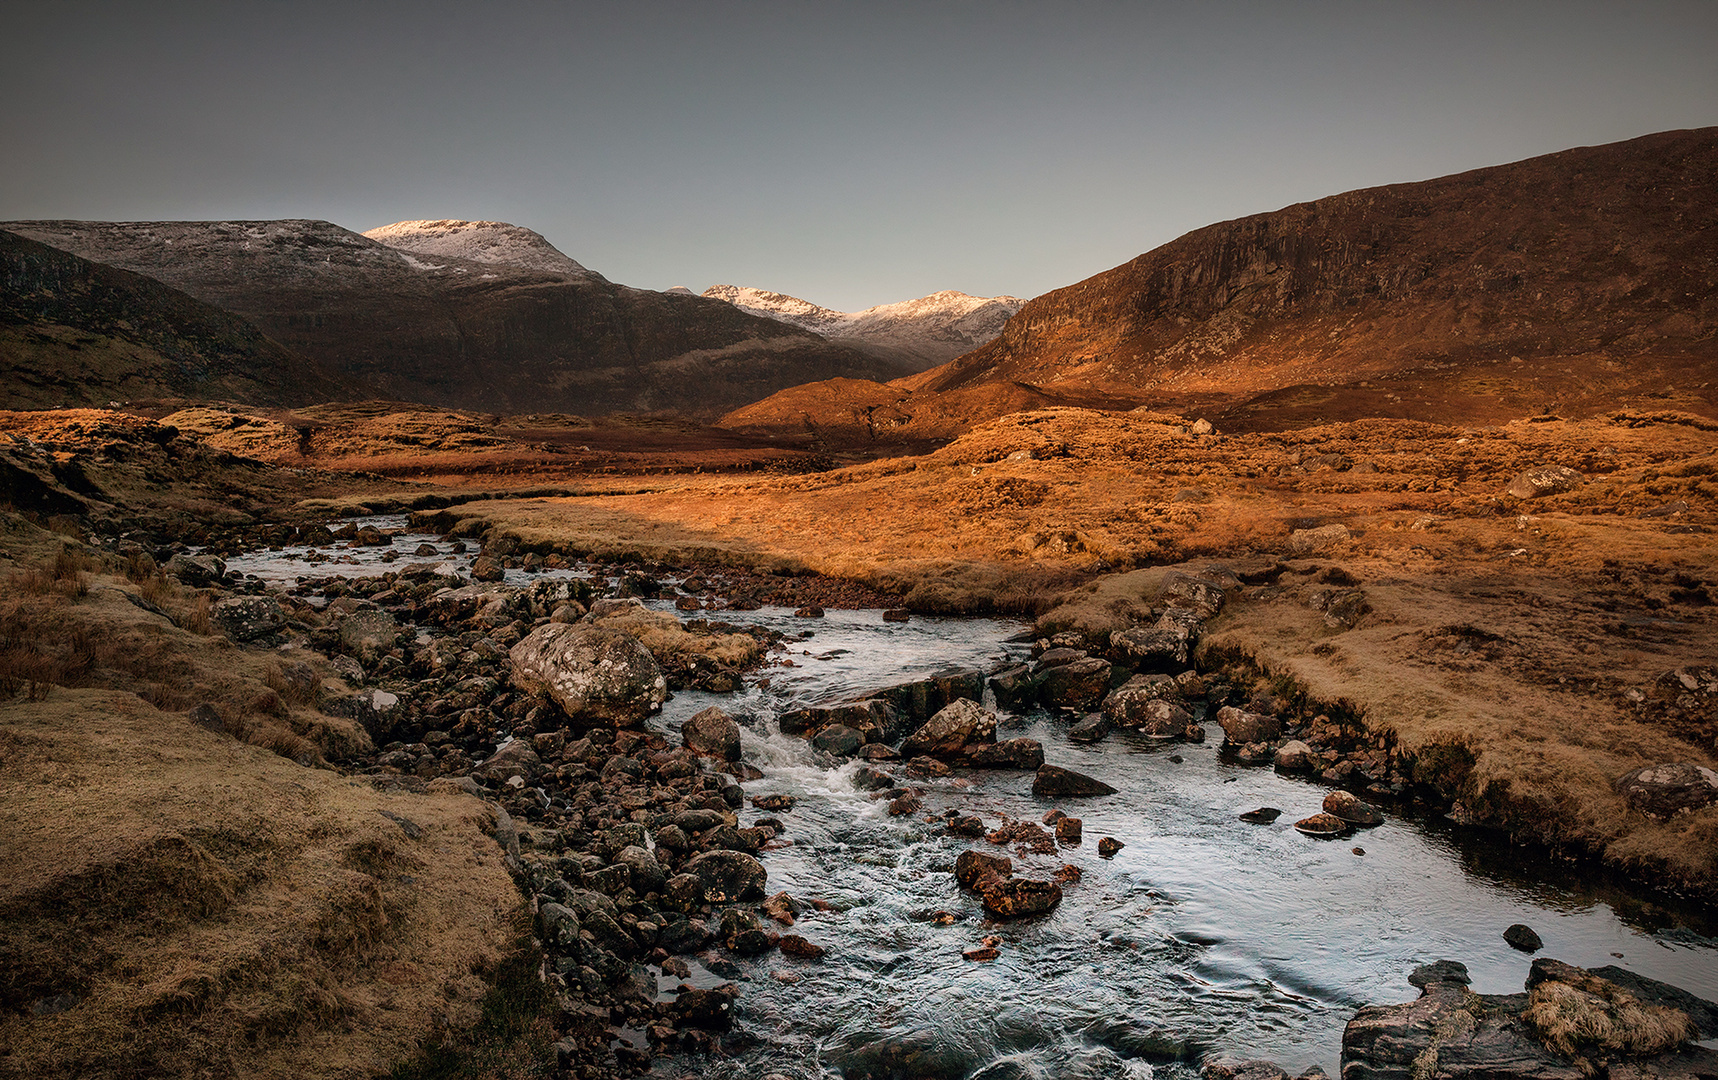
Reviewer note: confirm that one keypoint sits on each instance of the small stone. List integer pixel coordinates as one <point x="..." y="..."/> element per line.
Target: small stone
<point x="1322" y="826"/>
<point x="896" y="615"/>
<point x="794" y="945"/>
<point x="1108" y="846"/>
<point x="1350" y="808"/>
<point x="1054" y="781"/>
<point x="1264" y="815"/>
<point x="981" y="954"/>
<point x="1068" y="830"/>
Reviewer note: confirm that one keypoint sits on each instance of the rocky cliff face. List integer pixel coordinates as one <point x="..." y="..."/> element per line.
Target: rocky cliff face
<point x="453" y="330"/>
<point x="1578" y="276"/>
<point x="74" y="332"/>
<point x="920" y="333"/>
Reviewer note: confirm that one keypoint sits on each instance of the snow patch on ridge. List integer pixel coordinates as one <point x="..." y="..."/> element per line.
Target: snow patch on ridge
<point x="493" y="242"/>
<point x="949" y="317"/>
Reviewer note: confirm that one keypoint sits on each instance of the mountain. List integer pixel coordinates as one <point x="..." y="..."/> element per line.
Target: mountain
<point x="475" y="315"/>
<point x="1579" y="282"/>
<point x="74" y="332"/>
<point x="920" y="333"/>
<point x="493" y="242"/>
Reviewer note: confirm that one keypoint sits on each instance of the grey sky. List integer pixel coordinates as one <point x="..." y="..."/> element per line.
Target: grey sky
<point x="851" y="154"/>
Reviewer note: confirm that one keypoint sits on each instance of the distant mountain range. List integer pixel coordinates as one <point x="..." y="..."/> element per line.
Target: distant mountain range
<point x="1577" y="282"/>
<point x="920" y="333"/>
<point x="476" y="315"/>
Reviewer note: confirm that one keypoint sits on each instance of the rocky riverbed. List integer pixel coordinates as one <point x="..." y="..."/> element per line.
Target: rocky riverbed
<point x="632" y="830"/>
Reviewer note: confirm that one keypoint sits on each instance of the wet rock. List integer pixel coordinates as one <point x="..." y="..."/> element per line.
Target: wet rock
<point x="591" y="672"/>
<point x="782" y="908"/>
<point x="1108" y="846"/>
<point x="727" y="876"/>
<point x="712" y="733"/>
<point x="1665" y="790"/>
<point x="1009" y="754"/>
<point x="948" y="732"/>
<point x="1012" y="898"/>
<point x="1090" y="730"/>
<point x="1352" y="809"/>
<point x="1078" y="687"/>
<point x="1322" y="826"/>
<point x="645" y="872"/>
<point x="838" y="740"/>
<point x="1232" y="1069"/>
<point x="809" y="612"/>
<point x="896" y="615"/>
<point x="1053" y="781"/>
<point x="775" y="804"/>
<point x="1521" y="936"/>
<point x="1162" y="647"/>
<point x="1264" y="815"/>
<point x="711" y="1010"/>
<point x="1015" y="686"/>
<point x="247" y="618"/>
<point x="981" y="954"/>
<point x="486" y="568"/>
<point x="1543" y="480"/>
<point x="966" y="826"/>
<point x="922" y="699"/>
<point x="970" y="866"/>
<point x="515" y="758"/>
<point x="1145" y="709"/>
<point x="799" y="948"/>
<point x="908" y="803"/>
<point x="1294" y="756"/>
<point x="1242" y="727"/>
<point x="927" y="768"/>
<point x="1068" y="830"/>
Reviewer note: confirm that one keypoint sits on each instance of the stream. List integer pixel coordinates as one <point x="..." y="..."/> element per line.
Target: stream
<point x="1203" y="935"/>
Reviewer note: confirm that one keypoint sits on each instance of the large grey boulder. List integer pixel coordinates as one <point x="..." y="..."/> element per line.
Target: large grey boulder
<point x="1161" y="647"/>
<point x="1144" y="708"/>
<point x="368" y="633"/>
<point x="953" y="727"/>
<point x="247" y="618"/>
<point x="591" y="672"/>
<point x="1190" y="593"/>
<point x="196" y="571"/>
<point x="1079" y="686"/>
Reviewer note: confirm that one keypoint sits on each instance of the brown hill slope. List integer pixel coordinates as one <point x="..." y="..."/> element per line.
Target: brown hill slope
<point x="74" y="332"/>
<point x="448" y="331"/>
<point x="1576" y="281"/>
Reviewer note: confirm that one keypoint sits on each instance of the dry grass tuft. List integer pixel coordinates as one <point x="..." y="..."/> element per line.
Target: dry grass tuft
<point x="1596" y="1018"/>
<point x="663" y="635"/>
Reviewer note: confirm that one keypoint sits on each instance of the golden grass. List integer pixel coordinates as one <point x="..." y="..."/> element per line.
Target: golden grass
<point x="215" y="909"/>
<point x="1597" y="1018"/>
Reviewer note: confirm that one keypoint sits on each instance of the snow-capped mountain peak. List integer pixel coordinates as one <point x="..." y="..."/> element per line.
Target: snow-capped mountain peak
<point x="928" y="330"/>
<point x="494" y="242"/>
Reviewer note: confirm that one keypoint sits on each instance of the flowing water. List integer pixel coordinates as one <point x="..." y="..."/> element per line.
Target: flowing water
<point x="1202" y="935"/>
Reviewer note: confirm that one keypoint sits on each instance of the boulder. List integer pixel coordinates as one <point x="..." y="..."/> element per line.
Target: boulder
<point x="1190" y="593"/>
<point x="247" y="618"/>
<point x="1665" y="790"/>
<point x="514" y="758"/>
<point x="646" y="873"/>
<point x="1144" y="709"/>
<point x="1322" y="826"/>
<point x="1542" y="480"/>
<point x="712" y="733"/>
<point x="1054" y="781"/>
<point x="1079" y="686"/>
<point x="367" y="634"/>
<point x="1013" y="898"/>
<point x="1241" y="727"/>
<point x="727" y="876"/>
<point x="951" y="729"/>
<point x="1521" y="936"/>
<point x="486" y="568"/>
<point x="1108" y="846"/>
<point x="1008" y="754"/>
<point x="1264" y="815"/>
<point x="838" y="740"/>
<point x="1090" y="730"/>
<point x="1352" y="809"/>
<point x="970" y="866"/>
<point x="1162" y="647"/>
<point x="1014" y="686"/>
<point x="921" y="699"/>
<point x="197" y="571"/>
<point x="1294" y="756"/>
<point x="591" y="672"/>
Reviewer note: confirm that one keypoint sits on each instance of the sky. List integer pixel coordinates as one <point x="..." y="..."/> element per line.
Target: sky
<point x="849" y="154"/>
